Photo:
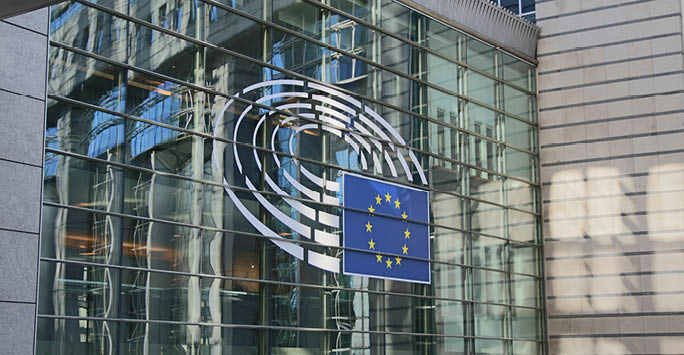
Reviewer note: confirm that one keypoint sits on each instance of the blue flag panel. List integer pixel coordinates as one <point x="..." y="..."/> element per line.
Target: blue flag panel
<point x="390" y="223"/>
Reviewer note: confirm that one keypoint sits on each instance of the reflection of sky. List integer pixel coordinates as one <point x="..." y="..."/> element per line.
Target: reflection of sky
<point x="160" y="107"/>
<point x="106" y="131"/>
<point x="51" y="159"/>
<point x="59" y="21"/>
<point x="347" y="159"/>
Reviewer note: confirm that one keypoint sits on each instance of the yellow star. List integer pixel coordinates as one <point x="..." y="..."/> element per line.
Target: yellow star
<point x="371" y="209"/>
<point x="398" y="259"/>
<point x="378" y="200"/>
<point x="389" y="263"/>
<point x="407" y="234"/>
<point x="396" y="203"/>
<point x="369" y="227"/>
<point x="404" y="215"/>
<point x="379" y="257"/>
<point x="404" y="250"/>
<point x="388" y="197"/>
<point x="371" y="244"/>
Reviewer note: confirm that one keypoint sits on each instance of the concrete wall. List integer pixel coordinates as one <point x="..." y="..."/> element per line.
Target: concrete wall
<point x="611" y="111"/>
<point x="23" y="58"/>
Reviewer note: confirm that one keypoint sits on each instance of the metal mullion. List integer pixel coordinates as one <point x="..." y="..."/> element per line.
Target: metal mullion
<point x="241" y="144"/>
<point x="265" y="192"/>
<point x="274" y="282"/>
<point x="262" y="237"/>
<point x="236" y="98"/>
<point x="270" y="327"/>
<point x="349" y="54"/>
<point x="273" y="67"/>
<point x="270" y="193"/>
<point x="410" y="42"/>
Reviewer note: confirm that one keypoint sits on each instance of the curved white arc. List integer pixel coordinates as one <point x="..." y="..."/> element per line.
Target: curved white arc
<point x="346" y="97"/>
<point x="235" y="132"/>
<point x="303" y="189"/>
<point x="409" y="176"/>
<point x="291" y="248"/>
<point x="273" y="82"/>
<point x="325" y="238"/>
<point x="374" y="127"/>
<point x="289" y="221"/>
<point x="418" y="167"/>
<point x="390" y="163"/>
<point x="301" y="95"/>
<point x="325" y="262"/>
<point x="329" y="219"/>
<point x="385" y="124"/>
<point x="333" y="113"/>
<point x="334" y="103"/>
<point x="300" y="207"/>
<point x="254" y="138"/>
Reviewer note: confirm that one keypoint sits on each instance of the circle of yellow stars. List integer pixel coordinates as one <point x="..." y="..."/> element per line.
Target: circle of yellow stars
<point x="369" y="229"/>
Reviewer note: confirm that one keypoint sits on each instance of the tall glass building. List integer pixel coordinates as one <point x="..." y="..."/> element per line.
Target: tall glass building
<point x="193" y="161"/>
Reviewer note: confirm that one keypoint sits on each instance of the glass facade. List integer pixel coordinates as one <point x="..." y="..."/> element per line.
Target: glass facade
<point x="175" y="127"/>
<point x="522" y="8"/>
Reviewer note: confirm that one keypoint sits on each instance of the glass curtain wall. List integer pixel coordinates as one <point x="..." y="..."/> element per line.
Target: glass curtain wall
<point x="146" y="248"/>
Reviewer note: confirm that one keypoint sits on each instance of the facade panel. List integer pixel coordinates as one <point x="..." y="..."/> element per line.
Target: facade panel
<point x="194" y="151"/>
<point x="610" y="110"/>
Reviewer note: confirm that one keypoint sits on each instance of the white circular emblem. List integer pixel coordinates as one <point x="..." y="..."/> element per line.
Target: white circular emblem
<point x="335" y="112"/>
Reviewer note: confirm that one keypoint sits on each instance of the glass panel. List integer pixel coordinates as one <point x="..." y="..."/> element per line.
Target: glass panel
<point x="489" y="347"/>
<point x="486" y="218"/>
<point x="480" y="55"/>
<point x="522" y="226"/>
<point x="510" y="5"/>
<point x="520" y="134"/>
<point x="489" y="252"/>
<point x="489" y="286"/>
<point x="481" y="88"/>
<point x="518" y="72"/>
<point x="519" y="103"/>
<point x="490" y="321"/>
<point x="520" y="164"/>
<point x="526" y="291"/>
<point x="521" y="195"/>
<point x="525" y="323"/>
<point x="524" y="259"/>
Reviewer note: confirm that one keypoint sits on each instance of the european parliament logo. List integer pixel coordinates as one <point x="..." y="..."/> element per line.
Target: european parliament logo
<point x="386" y="230"/>
<point x="394" y="246"/>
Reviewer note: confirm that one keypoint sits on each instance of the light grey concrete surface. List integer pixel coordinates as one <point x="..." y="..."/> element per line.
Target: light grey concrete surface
<point x="34" y="20"/>
<point x="611" y="115"/>
<point x="22" y="63"/>
<point x="22" y="131"/>
<point x="13" y="8"/>
<point x="20" y="185"/>
<point x="23" y="58"/>
<point x="18" y="267"/>
<point x="16" y="333"/>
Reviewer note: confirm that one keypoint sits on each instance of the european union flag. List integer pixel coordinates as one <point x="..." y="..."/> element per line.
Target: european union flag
<point x="390" y="223"/>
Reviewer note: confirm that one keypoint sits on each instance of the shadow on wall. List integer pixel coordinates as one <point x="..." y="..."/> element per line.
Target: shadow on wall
<point x="614" y="255"/>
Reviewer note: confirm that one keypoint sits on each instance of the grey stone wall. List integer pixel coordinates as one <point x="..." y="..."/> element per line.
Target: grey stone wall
<point x="611" y="112"/>
<point x="23" y="59"/>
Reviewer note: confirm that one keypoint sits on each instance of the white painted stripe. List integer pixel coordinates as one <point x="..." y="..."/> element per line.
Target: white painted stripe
<point x="273" y="82"/>
<point x="346" y="97"/>
<point x="325" y="238"/>
<point x="324" y="262"/>
<point x="290" y="222"/>
<point x="334" y="103"/>
<point x="292" y="249"/>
